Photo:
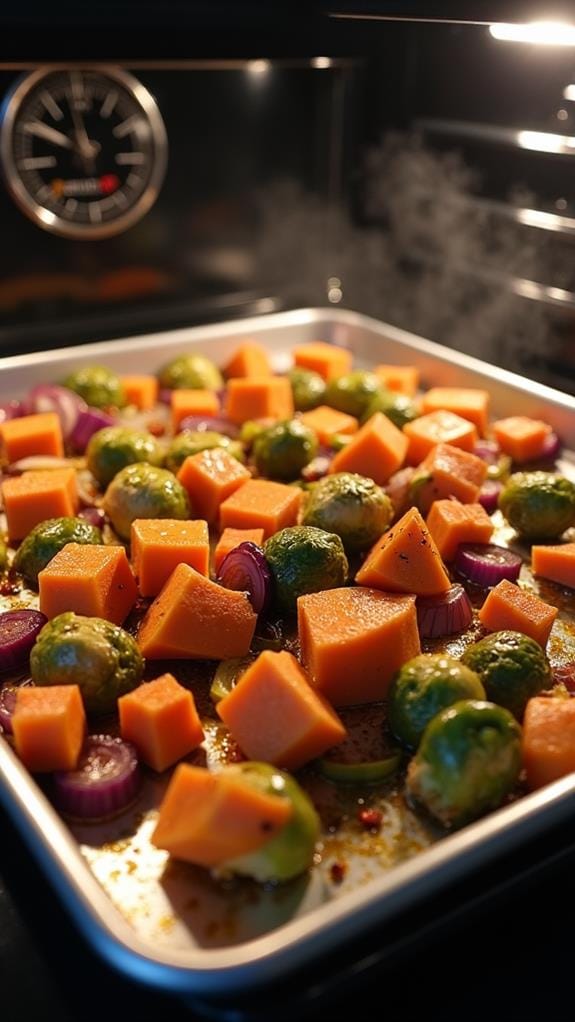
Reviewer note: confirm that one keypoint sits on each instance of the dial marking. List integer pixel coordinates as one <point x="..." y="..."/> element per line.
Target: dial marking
<point x="77" y="86"/>
<point x="130" y="159"/>
<point x="119" y="199"/>
<point x="109" y="104"/>
<point x="133" y="123"/>
<point x="95" y="212"/>
<point x="50" y="104"/>
<point x="45" y="192"/>
<point x="50" y="134"/>
<point x="71" y="205"/>
<point x="133" y="179"/>
<point x="37" y="162"/>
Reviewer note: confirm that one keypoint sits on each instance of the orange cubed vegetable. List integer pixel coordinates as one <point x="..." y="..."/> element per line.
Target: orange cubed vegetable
<point x="231" y="538"/>
<point x="438" y="428"/>
<point x="508" y="606"/>
<point x="377" y="450"/>
<point x="521" y="437"/>
<point x="209" y="477"/>
<point x="209" y="819"/>
<point x="49" y="725"/>
<point x="31" y="434"/>
<point x="92" y="580"/>
<point x="34" y="496"/>
<point x="161" y="720"/>
<point x="354" y="639"/>
<point x="259" y="397"/>
<point x="405" y="560"/>
<point x="326" y="421"/>
<point x="261" y="504"/>
<point x="469" y="403"/>
<point x="160" y="544"/>
<point x="450" y="472"/>
<point x="326" y="359"/>
<point x="194" y="618"/>
<point x="141" y="391"/>
<point x="402" y="379"/>
<point x="555" y="562"/>
<point x="548" y="742"/>
<point x="451" y="523"/>
<point x="250" y="359"/>
<point x="192" y="402"/>
<point x="276" y="716"/>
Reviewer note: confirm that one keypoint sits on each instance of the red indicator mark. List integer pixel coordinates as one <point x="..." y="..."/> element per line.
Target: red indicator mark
<point x="109" y="183"/>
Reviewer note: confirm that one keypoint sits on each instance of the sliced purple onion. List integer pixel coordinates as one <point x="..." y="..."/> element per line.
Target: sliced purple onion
<point x="489" y="495"/>
<point x="245" y="569"/>
<point x="36" y="462"/>
<point x="551" y="447"/>
<point x="486" y="564"/>
<point x="105" y="781"/>
<point x="488" y="450"/>
<point x="317" y="468"/>
<point x="444" y="614"/>
<point x="48" y="397"/>
<point x="565" y="675"/>
<point x="8" y="702"/>
<point x="93" y="515"/>
<point x="89" y="422"/>
<point x="18" y="631"/>
<point x="217" y="423"/>
<point x="11" y="410"/>
<point x="165" y="395"/>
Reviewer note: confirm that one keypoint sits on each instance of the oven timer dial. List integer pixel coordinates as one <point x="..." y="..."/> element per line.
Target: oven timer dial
<point x="83" y="150"/>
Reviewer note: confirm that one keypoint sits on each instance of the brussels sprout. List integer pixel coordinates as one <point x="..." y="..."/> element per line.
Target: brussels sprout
<point x="144" y="491"/>
<point x="282" y="450"/>
<point x="352" y="506"/>
<point x="99" y="387"/>
<point x="114" y="447"/>
<point x="46" y="539"/>
<point x="308" y="389"/>
<point x="539" y="505"/>
<point x="304" y="560"/>
<point x="291" y="851"/>
<point x="98" y="656"/>
<point x="352" y="392"/>
<point x="468" y="760"/>
<point x="512" y="668"/>
<point x="398" y="407"/>
<point x="193" y="441"/>
<point x="3" y="555"/>
<point x="193" y="372"/>
<point x="421" y="688"/>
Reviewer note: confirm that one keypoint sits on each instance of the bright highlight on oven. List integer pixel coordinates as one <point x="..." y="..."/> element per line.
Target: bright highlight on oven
<point x="538" y="33"/>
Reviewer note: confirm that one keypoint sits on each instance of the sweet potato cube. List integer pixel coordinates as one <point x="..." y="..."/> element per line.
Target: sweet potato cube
<point x="326" y="421"/>
<point x="192" y="402"/>
<point x="438" y="428"/>
<point x="141" y="391"/>
<point x="250" y="359"/>
<point x="548" y="744"/>
<point x="31" y="434"/>
<point x="326" y="359"/>
<point x="160" y="544"/>
<point x="450" y="472"/>
<point x="209" y="477"/>
<point x="34" y="496"/>
<point x="405" y="560"/>
<point x="354" y="639"/>
<point x="276" y="716"/>
<point x="260" y="504"/>
<point x="231" y="538"/>
<point x="508" y="606"/>
<point x="161" y="720"/>
<point x="210" y="819"/>
<point x="376" y="451"/>
<point x="194" y="618"/>
<point x="92" y="580"/>
<point x="401" y="379"/>
<point x="49" y="725"/>
<point x="469" y="403"/>
<point x="521" y="437"/>
<point x="451" y="523"/>
<point x="259" y="397"/>
<point x="555" y="562"/>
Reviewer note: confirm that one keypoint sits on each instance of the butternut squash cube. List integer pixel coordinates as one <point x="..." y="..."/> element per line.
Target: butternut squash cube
<point x="160" y="544"/>
<point x="555" y="561"/>
<point x="401" y="379"/>
<point x="438" y="428"/>
<point x="326" y="359"/>
<point x="508" y="606"/>
<point x="259" y="397"/>
<point x="326" y="421"/>
<point x="49" y="725"/>
<point x="405" y="560"/>
<point x="161" y="720"/>
<point x="231" y="538"/>
<point x="548" y="743"/>
<point x="250" y="359"/>
<point x="261" y="504"/>
<point x="209" y="477"/>
<point x="192" y="402"/>
<point x="376" y="451"/>
<point x="354" y="639"/>
<point x="451" y="523"/>
<point x="469" y="403"/>
<point x="92" y="580"/>
<point x="31" y="434"/>
<point x="34" y="496"/>
<point x="521" y="437"/>
<point x="141" y="391"/>
<point x="450" y="472"/>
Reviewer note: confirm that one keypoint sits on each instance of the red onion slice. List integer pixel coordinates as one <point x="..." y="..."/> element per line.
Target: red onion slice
<point x="48" y="397"/>
<point x="563" y="675"/>
<point x="551" y="447"/>
<point x="93" y="515"/>
<point x="486" y="564"/>
<point x="317" y="468"/>
<point x="215" y="423"/>
<point x="89" y="421"/>
<point x="18" y="631"/>
<point x="245" y="569"/>
<point x="444" y="614"/>
<point x="11" y="410"/>
<point x="489" y="495"/>
<point x="8" y="702"/>
<point x="488" y="450"/>
<point x="105" y="781"/>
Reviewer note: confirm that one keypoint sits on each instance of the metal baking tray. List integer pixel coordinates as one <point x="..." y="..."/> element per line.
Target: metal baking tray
<point x="168" y="924"/>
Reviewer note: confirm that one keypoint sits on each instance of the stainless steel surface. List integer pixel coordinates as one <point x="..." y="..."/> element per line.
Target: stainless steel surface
<point x="152" y="921"/>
